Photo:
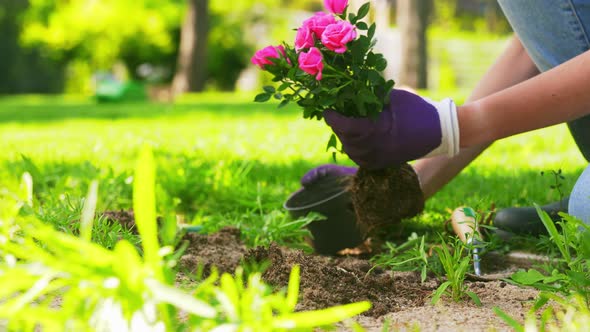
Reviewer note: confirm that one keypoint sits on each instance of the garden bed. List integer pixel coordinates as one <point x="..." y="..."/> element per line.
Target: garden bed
<point x="399" y="298"/>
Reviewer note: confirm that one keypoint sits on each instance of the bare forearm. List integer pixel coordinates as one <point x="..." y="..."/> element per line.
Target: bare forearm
<point x="512" y="67"/>
<point x="556" y="96"/>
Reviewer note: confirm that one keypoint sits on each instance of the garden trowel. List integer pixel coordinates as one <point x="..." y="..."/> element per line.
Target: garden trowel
<point x="465" y="227"/>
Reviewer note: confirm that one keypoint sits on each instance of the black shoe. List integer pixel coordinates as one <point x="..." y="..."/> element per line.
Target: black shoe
<point x="525" y="220"/>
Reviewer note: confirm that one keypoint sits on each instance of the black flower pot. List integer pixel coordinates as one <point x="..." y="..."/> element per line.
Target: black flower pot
<point x="329" y="197"/>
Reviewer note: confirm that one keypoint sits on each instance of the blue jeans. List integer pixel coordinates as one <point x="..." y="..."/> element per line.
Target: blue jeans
<point x="553" y="32"/>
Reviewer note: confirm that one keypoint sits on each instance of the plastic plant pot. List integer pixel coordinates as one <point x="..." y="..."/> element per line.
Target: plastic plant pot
<point x="330" y="198"/>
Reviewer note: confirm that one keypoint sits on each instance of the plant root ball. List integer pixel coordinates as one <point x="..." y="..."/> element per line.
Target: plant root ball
<point x="382" y="198"/>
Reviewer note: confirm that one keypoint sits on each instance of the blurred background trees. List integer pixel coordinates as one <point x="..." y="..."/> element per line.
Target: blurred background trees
<point x="53" y="46"/>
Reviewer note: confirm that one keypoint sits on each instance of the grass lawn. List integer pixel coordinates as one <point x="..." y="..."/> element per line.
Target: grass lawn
<point x="221" y="157"/>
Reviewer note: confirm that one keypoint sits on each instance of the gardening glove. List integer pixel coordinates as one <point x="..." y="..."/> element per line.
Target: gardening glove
<point x="410" y="127"/>
<point x="329" y="170"/>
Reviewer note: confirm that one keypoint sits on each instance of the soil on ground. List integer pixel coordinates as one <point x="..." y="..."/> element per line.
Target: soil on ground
<point x="399" y="300"/>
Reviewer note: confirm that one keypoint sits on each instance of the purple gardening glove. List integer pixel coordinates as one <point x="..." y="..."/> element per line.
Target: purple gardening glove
<point x="409" y="127"/>
<point x="322" y="171"/>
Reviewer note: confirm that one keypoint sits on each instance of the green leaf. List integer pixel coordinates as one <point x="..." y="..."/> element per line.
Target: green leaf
<point x="283" y="86"/>
<point x="371" y="59"/>
<point x="308" y="112"/>
<point x="375" y="78"/>
<point x="269" y="89"/>
<point x="541" y="301"/>
<point x="27" y="186"/>
<point x="329" y="101"/>
<point x="439" y="292"/>
<point x="363" y="11"/>
<point x="381" y="64"/>
<point x="469" y="212"/>
<point x="174" y="296"/>
<point x="263" y="97"/>
<point x="362" y="26"/>
<point x="509" y="320"/>
<point x="579" y="278"/>
<point x="475" y="298"/>
<point x="284" y="103"/>
<point x="230" y="290"/>
<point x="371" y="32"/>
<point x="88" y="212"/>
<point x="352" y="18"/>
<point x="323" y="317"/>
<point x="293" y="288"/>
<point x="332" y="142"/>
<point x="529" y="277"/>
<point x="278" y="96"/>
<point x="144" y="207"/>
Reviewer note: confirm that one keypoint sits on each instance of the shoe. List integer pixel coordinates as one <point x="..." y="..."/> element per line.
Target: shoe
<point x="525" y="220"/>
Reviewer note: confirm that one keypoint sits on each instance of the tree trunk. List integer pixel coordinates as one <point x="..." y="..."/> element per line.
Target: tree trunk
<point x="412" y="19"/>
<point x="191" y="71"/>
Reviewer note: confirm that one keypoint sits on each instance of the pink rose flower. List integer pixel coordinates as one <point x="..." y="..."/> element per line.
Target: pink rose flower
<point x="261" y="57"/>
<point x="304" y="39"/>
<point x="319" y="22"/>
<point x="337" y="35"/>
<point x="336" y="6"/>
<point x="312" y="62"/>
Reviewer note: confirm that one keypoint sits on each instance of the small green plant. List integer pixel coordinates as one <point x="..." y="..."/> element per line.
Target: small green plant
<point x="261" y="228"/>
<point x="570" y="273"/>
<point x="564" y="314"/>
<point x="56" y="281"/>
<point x="557" y="182"/>
<point x="455" y="263"/>
<point x="408" y="256"/>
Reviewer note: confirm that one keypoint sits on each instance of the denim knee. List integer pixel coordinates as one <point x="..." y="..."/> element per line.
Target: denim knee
<point x="579" y="203"/>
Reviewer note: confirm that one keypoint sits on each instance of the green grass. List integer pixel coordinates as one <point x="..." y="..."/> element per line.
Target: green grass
<point x="221" y="156"/>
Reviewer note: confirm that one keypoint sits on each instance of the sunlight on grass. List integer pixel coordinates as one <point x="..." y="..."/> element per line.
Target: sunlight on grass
<point x="219" y="154"/>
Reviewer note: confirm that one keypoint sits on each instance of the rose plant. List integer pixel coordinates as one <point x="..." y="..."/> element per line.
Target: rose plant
<point x="331" y="65"/>
<point x="332" y="73"/>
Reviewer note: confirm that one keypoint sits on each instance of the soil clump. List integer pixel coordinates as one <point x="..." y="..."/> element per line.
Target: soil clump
<point x="382" y="198"/>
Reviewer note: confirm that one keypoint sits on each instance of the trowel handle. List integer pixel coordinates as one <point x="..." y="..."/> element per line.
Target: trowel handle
<point x="462" y="224"/>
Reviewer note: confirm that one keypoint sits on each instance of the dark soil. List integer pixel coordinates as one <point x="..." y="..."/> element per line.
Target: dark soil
<point x="222" y="250"/>
<point x="397" y="297"/>
<point x="382" y="198"/>
<point x="125" y="217"/>
<point x="329" y="281"/>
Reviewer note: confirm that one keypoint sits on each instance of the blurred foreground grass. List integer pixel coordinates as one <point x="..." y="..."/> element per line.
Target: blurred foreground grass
<point x="220" y="156"/>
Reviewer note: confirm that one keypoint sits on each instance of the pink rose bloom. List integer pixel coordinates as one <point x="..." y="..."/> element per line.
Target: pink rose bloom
<point x="261" y="57"/>
<point x="304" y="38"/>
<point x="319" y="22"/>
<point x="336" y="6"/>
<point x="337" y="35"/>
<point x="312" y="62"/>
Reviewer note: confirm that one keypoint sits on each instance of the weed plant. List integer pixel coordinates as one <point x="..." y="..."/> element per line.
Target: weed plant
<point x="56" y="281"/>
<point x="564" y="314"/>
<point x="455" y="263"/>
<point x="569" y="273"/>
<point x="261" y="228"/>
<point x="565" y="282"/>
<point x="408" y="256"/>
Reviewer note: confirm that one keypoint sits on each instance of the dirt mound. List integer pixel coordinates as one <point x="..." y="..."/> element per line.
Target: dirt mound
<point x="223" y="250"/>
<point x="329" y="281"/>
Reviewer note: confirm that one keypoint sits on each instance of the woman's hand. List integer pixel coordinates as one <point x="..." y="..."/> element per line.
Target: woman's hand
<point x="409" y="127"/>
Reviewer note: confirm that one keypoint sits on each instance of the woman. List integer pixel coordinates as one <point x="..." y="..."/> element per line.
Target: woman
<point x="541" y="79"/>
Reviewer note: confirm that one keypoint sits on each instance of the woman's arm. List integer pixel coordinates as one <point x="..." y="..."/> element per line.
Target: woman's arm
<point x="512" y="67"/>
<point x="559" y="95"/>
